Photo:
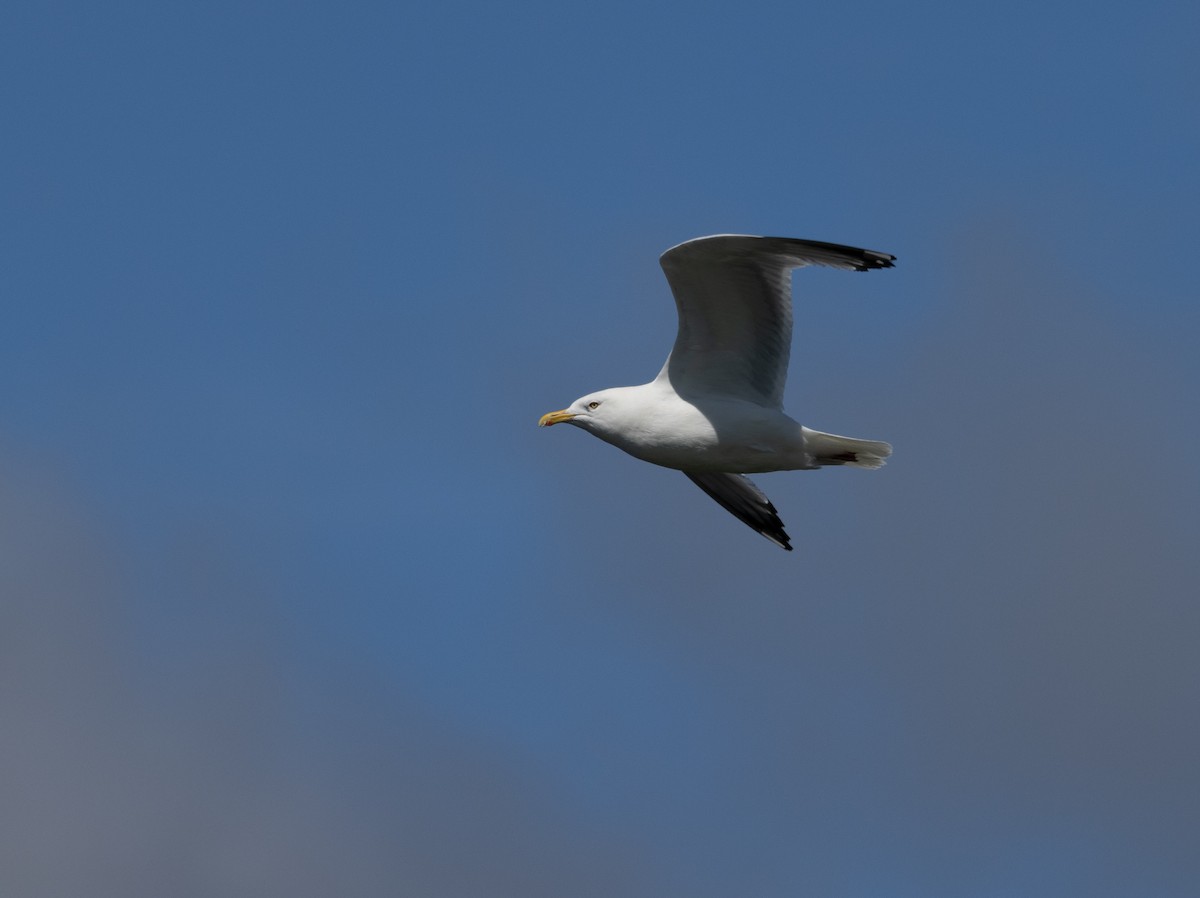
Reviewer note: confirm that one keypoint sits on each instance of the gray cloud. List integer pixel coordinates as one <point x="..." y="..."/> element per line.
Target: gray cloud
<point x="208" y="768"/>
<point x="978" y="673"/>
<point x="975" y="674"/>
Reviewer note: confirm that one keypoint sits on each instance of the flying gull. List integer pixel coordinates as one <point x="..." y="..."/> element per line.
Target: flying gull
<point x="715" y="411"/>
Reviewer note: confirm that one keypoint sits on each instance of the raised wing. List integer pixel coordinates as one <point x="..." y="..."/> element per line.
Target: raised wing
<point x="739" y="496"/>
<point x="734" y="296"/>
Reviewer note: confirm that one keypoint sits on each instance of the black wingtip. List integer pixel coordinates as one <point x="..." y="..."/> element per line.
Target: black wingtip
<point x="773" y="530"/>
<point x="738" y="495"/>
<point x="861" y="259"/>
<point x="871" y="260"/>
<point x="774" y="533"/>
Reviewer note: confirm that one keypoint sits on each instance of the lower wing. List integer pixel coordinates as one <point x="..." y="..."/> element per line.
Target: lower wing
<point x="741" y="498"/>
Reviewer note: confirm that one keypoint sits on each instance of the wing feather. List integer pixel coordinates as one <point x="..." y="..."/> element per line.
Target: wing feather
<point x="738" y="495"/>
<point x="733" y="295"/>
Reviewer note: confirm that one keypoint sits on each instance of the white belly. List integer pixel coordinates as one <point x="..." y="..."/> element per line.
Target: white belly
<point x="724" y="436"/>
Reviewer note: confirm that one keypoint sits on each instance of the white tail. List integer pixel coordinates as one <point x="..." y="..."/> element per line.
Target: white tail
<point x="831" y="449"/>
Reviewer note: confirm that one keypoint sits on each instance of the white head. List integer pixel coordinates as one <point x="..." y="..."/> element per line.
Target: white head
<point x="596" y="412"/>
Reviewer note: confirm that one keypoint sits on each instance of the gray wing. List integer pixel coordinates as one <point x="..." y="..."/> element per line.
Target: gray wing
<point x="739" y="496"/>
<point x="734" y="296"/>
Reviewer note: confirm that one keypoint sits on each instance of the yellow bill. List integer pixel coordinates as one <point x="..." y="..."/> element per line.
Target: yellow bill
<point x="554" y="418"/>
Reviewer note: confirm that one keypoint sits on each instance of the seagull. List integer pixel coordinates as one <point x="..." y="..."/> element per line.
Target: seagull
<point x="715" y="411"/>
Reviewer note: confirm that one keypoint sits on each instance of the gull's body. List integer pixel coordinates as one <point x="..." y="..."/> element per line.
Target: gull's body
<point x="715" y="411"/>
<point x="713" y="434"/>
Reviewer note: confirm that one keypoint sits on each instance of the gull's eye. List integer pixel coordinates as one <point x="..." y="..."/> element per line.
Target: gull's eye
<point x="593" y="405"/>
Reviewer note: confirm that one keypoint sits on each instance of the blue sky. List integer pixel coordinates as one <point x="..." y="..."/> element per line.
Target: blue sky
<point x="298" y="599"/>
